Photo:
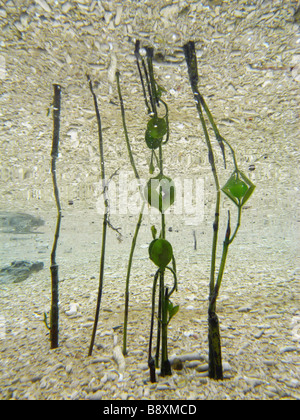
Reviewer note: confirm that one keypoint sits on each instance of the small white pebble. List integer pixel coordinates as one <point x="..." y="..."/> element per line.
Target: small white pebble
<point x="66" y="7"/>
<point x="3" y="13"/>
<point x="118" y="15"/>
<point x="69" y="368"/>
<point x="73" y="309"/>
<point x="44" y="5"/>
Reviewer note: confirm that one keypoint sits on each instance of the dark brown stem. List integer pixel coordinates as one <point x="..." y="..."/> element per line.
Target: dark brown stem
<point x="54" y="316"/>
<point x="105" y="218"/>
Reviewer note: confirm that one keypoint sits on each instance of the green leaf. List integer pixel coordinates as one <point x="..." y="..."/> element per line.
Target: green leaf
<point x="46" y="321"/>
<point x="172" y="310"/>
<point x="157" y="127"/>
<point x="160" y="192"/>
<point x="151" y="168"/>
<point x="152" y="142"/>
<point x="160" y="252"/>
<point x="160" y="90"/>
<point x="154" y="232"/>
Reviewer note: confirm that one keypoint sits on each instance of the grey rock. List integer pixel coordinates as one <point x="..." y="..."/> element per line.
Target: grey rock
<point x="293" y="383"/>
<point x="3" y="13"/>
<point x="19" y="271"/>
<point x="187" y="356"/>
<point x="192" y="364"/>
<point x="244" y="309"/>
<point x="177" y="364"/>
<point x="259" y="334"/>
<point x="96" y="397"/>
<point x="11" y="222"/>
<point x="66" y="7"/>
<point x="202" y="368"/>
<point x="253" y="382"/>
<point x="44" y="5"/>
<point x="288" y="349"/>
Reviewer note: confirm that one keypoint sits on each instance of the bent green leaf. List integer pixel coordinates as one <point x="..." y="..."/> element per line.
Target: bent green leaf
<point x="238" y="188"/>
<point x="172" y="310"/>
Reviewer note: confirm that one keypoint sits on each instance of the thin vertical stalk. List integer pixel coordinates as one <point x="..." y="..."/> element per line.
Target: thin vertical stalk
<point x="105" y="218"/>
<point x="54" y="317"/>
<point x="126" y="311"/>
<point x="165" y="363"/>
<point x="126" y="131"/>
<point x="154" y="101"/>
<point x="163" y="326"/>
<point x="190" y="55"/>
<point x="133" y="244"/>
<point x="137" y="56"/>
<point x="159" y="312"/>
<point x="215" y="356"/>
<point x="214" y="340"/>
<point x="151" y="361"/>
<point x="214" y="295"/>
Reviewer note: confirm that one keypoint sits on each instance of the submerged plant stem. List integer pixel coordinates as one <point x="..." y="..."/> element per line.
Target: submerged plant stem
<point x="105" y="218"/>
<point x="125" y="129"/>
<point x="193" y="74"/>
<point x="133" y="244"/>
<point x="215" y="357"/>
<point x="126" y="311"/>
<point x="54" y="316"/>
<point x="165" y="363"/>
<point x="151" y="361"/>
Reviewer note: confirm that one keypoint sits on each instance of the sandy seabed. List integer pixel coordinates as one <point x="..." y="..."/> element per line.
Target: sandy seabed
<point x="258" y="311"/>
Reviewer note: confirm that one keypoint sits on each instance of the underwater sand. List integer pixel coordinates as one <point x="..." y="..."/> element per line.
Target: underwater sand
<point x="248" y="58"/>
<point x="258" y="310"/>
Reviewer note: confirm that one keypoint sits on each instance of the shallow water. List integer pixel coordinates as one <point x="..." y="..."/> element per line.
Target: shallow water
<point x="249" y="68"/>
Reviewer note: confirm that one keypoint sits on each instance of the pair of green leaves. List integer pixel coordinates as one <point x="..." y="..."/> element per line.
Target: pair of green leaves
<point x="172" y="310"/>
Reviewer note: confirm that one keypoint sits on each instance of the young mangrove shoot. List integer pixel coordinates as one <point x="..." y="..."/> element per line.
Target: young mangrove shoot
<point x="238" y="188"/>
<point x="54" y="314"/>
<point x="105" y="217"/>
<point x="160" y="194"/>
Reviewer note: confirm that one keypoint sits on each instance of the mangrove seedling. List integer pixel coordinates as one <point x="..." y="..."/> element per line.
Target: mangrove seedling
<point x="238" y="188"/>
<point x="105" y="217"/>
<point x="54" y="315"/>
<point x="159" y="193"/>
<point x="133" y="244"/>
